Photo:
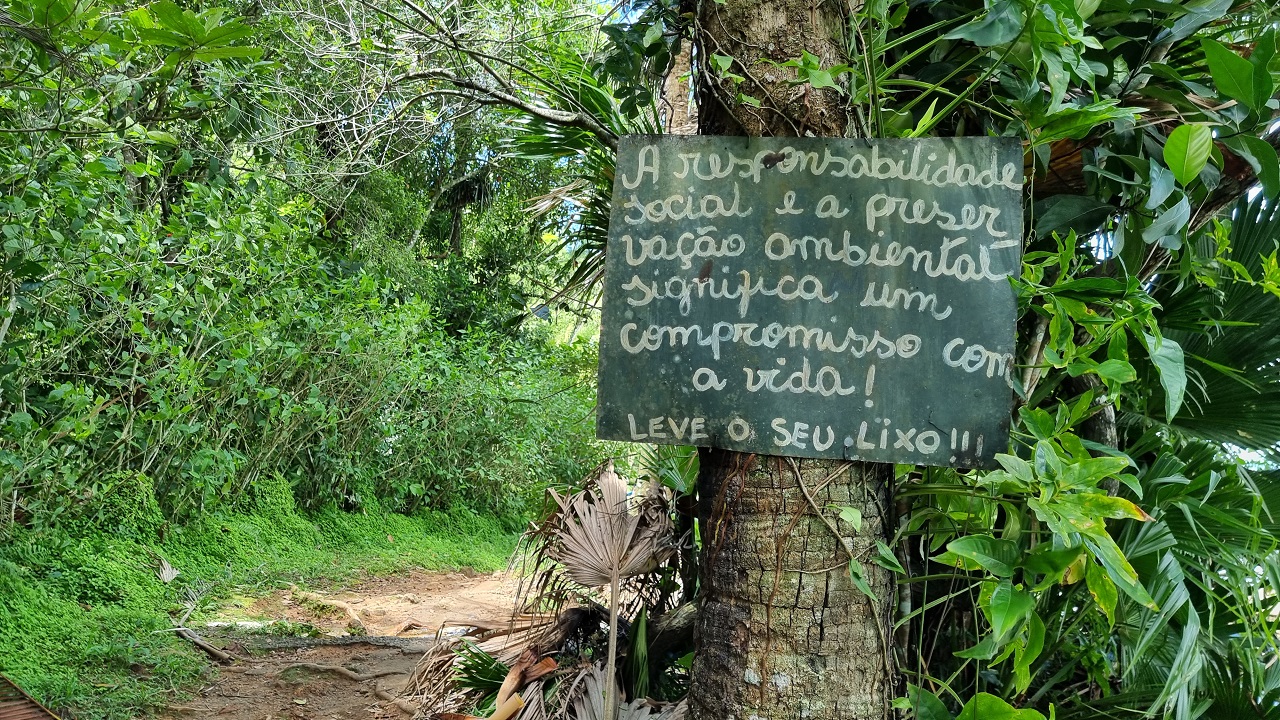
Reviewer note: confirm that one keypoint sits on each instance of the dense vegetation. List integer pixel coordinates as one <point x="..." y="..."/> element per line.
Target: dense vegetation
<point x="274" y="274"/>
<point x="223" y="347"/>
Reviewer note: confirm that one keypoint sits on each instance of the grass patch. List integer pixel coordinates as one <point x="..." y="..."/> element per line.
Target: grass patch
<point x="84" y="618"/>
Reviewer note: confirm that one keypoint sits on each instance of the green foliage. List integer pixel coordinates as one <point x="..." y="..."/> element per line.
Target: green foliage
<point x="179" y="316"/>
<point x="220" y="352"/>
<point x="85" y="622"/>
<point x="241" y="351"/>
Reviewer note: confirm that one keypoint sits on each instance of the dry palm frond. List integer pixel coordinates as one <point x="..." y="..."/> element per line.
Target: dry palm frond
<point x="525" y="670"/>
<point x="601" y="536"/>
<point x="434" y="682"/>
<point x="571" y="193"/>
<point x="534" y="706"/>
<point x="433" y="686"/>
<point x="548" y="633"/>
<point x="602" y="540"/>
<point x="609" y="515"/>
<point x="674" y="711"/>
<point x="589" y="701"/>
<point x="166" y="572"/>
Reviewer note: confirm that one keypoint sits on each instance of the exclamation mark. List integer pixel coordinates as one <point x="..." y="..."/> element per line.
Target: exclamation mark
<point x="871" y="384"/>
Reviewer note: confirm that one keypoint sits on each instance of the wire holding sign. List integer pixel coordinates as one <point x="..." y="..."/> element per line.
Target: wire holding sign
<point x="818" y="297"/>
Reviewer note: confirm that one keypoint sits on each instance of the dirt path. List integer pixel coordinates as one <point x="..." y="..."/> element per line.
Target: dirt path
<point x="337" y="675"/>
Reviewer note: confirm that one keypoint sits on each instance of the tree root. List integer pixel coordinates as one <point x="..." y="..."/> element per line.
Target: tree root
<point x="213" y="652"/>
<point x="339" y="670"/>
<point x="401" y="704"/>
<point x="352" y="615"/>
<point x="411" y="624"/>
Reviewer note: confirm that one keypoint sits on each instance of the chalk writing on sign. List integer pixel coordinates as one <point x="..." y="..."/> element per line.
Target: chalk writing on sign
<point x="813" y="297"/>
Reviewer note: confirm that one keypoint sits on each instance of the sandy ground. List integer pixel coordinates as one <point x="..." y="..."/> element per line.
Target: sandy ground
<point x="299" y="678"/>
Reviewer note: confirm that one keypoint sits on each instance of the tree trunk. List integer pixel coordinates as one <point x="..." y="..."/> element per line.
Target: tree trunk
<point x="783" y="633"/>
<point x="754" y="32"/>
<point x="681" y="118"/>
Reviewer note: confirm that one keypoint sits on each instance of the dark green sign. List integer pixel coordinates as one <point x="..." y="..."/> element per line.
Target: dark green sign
<point x="814" y="297"/>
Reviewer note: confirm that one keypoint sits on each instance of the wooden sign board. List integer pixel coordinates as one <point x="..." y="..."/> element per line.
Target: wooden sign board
<point x="813" y="297"/>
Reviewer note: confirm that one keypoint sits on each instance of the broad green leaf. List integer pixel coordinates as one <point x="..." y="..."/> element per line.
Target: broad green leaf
<point x="1081" y="213"/>
<point x="1008" y="606"/>
<point x="227" y="34"/>
<point x="1232" y="74"/>
<point x="1016" y="467"/>
<point x="1045" y="560"/>
<point x="1161" y="185"/>
<point x="1058" y="76"/>
<point x="924" y="704"/>
<point x="1171" y="364"/>
<point x="1086" y="8"/>
<point x="222" y="53"/>
<point x="162" y="137"/>
<point x="1073" y="123"/>
<point x="169" y="15"/>
<point x="1039" y="422"/>
<point x="1002" y="23"/>
<point x="1198" y="14"/>
<point x="853" y="516"/>
<point x="1028" y="653"/>
<point x="1187" y="150"/>
<point x="141" y="19"/>
<point x="1095" y="505"/>
<point x="986" y="706"/>
<point x="886" y="559"/>
<point x="653" y="34"/>
<point x="1168" y="227"/>
<point x="1116" y="371"/>
<point x="819" y="79"/>
<point x="984" y="650"/>
<point x="1261" y="156"/>
<point x="166" y="38"/>
<point x="1103" y="590"/>
<point x="1119" y="569"/>
<point x="1264" y="49"/>
<point x="182" y="164"/>
<point x="1086" y="474"/>
<point x="998" y="557"/>
<point x="858" y="575"/>
<point x="178" y="20"/>
<point x="1046" y="461"/>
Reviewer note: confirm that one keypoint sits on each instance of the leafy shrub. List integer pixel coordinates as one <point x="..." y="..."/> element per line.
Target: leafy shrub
<point x="218" y="358"/>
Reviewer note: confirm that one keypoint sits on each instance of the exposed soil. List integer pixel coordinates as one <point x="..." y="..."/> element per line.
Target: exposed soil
<point x="301" y="678"/>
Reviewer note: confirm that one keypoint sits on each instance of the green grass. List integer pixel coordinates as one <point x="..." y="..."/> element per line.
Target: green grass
<point x="84" y="620"/>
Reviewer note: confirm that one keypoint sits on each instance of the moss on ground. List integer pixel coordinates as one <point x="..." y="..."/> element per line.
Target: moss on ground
<point x="85" y="620"/>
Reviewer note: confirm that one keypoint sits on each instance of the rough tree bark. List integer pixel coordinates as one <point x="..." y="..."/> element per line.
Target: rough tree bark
<point x="782" y="632"/>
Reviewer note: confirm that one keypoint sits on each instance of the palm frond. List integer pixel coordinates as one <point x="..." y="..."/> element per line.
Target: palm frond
<point x="603" y="541"/>
<point x="1236" y="353"/>
<point x="584" y="203"/>
<point x="591" y="691"/>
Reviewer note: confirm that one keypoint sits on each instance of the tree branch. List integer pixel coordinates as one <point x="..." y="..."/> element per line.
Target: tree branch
<point x="555" y="117"/>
